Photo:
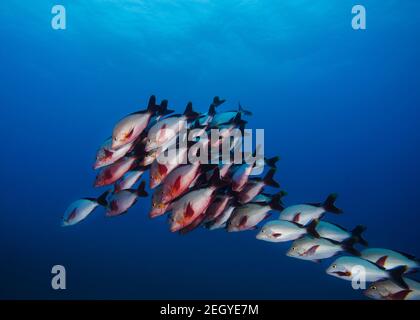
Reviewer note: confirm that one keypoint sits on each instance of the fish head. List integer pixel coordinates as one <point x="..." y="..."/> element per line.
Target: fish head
<point x="300" y="248"/>
<point x="378" y="290"/>
<point x="122" y="136"/>
<point x="340" y="269"/>
<point x="268" y="234"/>
<point x="158" y="209"/>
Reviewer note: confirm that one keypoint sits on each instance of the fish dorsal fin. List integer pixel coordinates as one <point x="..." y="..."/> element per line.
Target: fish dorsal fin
<point x="242" y="221"/>
<point x="296" y="217"/>
<point x="189" y="212"/>
<point x="381" y="261"/>
<point x="162" y="169"/>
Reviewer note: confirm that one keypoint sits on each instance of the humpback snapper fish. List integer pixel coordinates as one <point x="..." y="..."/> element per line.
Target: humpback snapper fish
<point x="80" y="209"/>
<point x="128" y="180"/>
<point x="130" y="127"/>
<point x="316" y="249"/>
<point x="389" y="259"/>
<point x="305" y="213"/>
<point x="123" y="200"/>
<point x="388" y="290"/>
<point x="193" y="204"/>
<point x="247" y="217"/>
<point x="344" y="268"/>
<point x="115" y="171"/>
<point x="222" y="219"/>
<point x="282" y="231"/>
<point x="106" y="155"/>
<point x="168" y="128"/>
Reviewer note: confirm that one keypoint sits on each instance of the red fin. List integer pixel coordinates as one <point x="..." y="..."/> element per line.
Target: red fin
<point x="129" y="133"/>
<point x="162" y="169"/>
<point x="114" y="205"/>
<point x="296" y="217"/>
<point x="177" y="184"/>
<point x="189" y="212"/>
<point x="401" y="295"/>
<point x="276" y="235"/>
<point x="72" y="215"/>
<point x="108" y="153"/>
<point x="311" y="250"/>
<point x="243" y="221"/>
<point x="381" y="261"/>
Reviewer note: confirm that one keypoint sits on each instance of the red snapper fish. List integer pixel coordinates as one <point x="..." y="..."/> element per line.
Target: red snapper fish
<point x="106" y="155"/>
<point x="115" y="171"/>
<point x="123" y="200"/>
<point x="193" y="204"/>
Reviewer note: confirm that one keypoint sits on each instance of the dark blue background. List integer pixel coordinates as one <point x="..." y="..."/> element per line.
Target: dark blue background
<point x="341" y="107"/>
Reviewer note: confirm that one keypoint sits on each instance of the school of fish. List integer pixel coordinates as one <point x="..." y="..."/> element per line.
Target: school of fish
<point x="226" y="195"/>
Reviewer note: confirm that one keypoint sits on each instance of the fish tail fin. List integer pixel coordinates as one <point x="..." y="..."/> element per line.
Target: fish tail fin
<point x="243" y="111"/>
<point x="311" y="228"/>
<point x="269" y="179"/>
<point x="101" y="200"/>
<point x="189" y="112"/>
<point x="396" y="276"/>
<point x="329" y="204"/>
<point x="272" y="161"/>
<point x="217" y="101"/>
<point x="276" y="203"/>
<point x="357" y="235"/>
<point x="163" y="108"/>
<point x="151" y="105"/>
<point x="212" y="110"/>
<point x="348" y="246"/>
<point x="141" y="189"/>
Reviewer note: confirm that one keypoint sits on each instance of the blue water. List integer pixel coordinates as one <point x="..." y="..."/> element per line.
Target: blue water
<point x="341" y="107"/>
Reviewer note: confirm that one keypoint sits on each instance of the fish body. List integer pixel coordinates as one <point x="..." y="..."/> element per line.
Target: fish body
<point x="305" y="213"/>
<point x="347" y="267"/>
<point x="313" y="249"/>
<point x="227" y="117"/>
<point x="179" y="181"/>
<point x="246" y="217"/>
<point x="190" y="206"/>
<point x="281" y="231"/>
<point x="388" y="290"/>
<point x="129" y="128"/>
<point x="123" y="200"/>
<point x="222" y="219"/>
<point x="115" y="171"/>
<point x="160" y="169"/>
<point x="80" y="209"/>
<point x="390" y="259"/>
<point x="337" y="233"/>
<point x="106" y="156"/>
<point x="217" y="207"/>
<point x="128" y="180"/>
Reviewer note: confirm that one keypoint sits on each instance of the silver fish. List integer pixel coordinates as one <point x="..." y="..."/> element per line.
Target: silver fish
<point x="123" y="200"/>
<point x="80" y="209"/>
<point x="388" y="290"/>
<point x="305" y="213"/>
<point x="345" y="268"/>
<point x="390" y="259"/>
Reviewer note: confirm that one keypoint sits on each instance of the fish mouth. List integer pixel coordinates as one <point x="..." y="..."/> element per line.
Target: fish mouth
<point x="342" y="273"/>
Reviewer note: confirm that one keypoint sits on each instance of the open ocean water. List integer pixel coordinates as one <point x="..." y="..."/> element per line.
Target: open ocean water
<point x="339" y="106"/>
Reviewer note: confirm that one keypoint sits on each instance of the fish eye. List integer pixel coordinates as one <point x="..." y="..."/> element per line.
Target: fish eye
<point x="334" y="266"/>
<point x="293" y="248"/>
<point x="373" y="287"/>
